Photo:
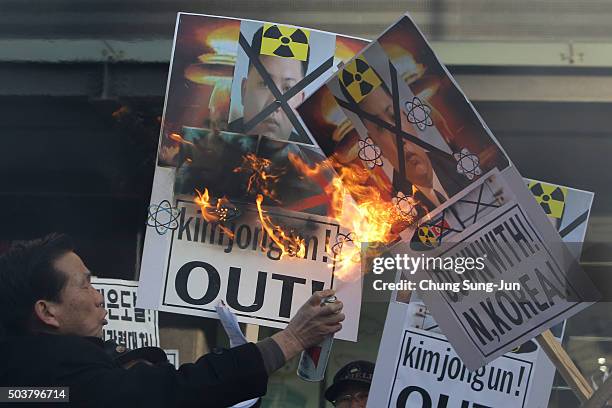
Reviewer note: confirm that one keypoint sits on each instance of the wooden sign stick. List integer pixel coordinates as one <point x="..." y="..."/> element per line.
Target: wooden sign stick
<point x="564" y="364"/>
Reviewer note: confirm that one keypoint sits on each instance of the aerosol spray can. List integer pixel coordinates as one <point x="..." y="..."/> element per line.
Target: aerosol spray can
<point x="313" y="361"/>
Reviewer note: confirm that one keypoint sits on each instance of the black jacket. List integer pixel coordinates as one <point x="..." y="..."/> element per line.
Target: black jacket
<point x="218" y="379"/>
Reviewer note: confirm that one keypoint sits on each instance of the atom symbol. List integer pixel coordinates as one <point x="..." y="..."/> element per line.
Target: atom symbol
<point x="406" y="205"/>
<point x="418" y="113"/>
<point x="163" y="217"/>
<point x="468" y="164"/>
<point x="369" y="153"/>
<point x="341" y="240"/>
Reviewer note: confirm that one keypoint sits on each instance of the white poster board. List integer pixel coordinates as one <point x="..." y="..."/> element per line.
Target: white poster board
<point x="428" y="373"/>
<point x="173" y="357"/>
<point x="418" y="324"/>
<point x="483" y="325"/>
<point x="128" y="325"/>
<point x="210" y="122"/>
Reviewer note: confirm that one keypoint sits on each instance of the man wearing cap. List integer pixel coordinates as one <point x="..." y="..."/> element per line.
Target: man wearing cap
<point x="51" y="320"/>
<point x="351" y="385"/>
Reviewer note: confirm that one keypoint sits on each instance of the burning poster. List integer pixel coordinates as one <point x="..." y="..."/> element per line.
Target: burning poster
<point x="395" y="115"/>
<point x="432" y="150"/>
<point x="234" y="214"/>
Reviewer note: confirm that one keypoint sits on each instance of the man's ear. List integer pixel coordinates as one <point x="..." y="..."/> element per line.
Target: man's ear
<point x="46" y="313"/>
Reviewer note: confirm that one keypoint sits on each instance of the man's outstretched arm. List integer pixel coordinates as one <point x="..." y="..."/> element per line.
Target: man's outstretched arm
<point x="218" y="379"/>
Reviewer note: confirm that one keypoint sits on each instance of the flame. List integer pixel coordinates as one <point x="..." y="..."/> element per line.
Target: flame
<point x="121" y="112"/>
<point x="372" y="219"/>
<point x="311" y="172"/>
<point x="175" y="137"/>
<point x="262" y="182"/>
<point x="261" y="178"/>
<point x="213" y="213"/>
<point x="356" y="203"/>
<point x="290" y="243"/>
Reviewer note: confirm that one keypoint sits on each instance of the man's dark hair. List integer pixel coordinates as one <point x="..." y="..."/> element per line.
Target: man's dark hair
<point x="27" y="275"/>
<point x="256" y="46"/>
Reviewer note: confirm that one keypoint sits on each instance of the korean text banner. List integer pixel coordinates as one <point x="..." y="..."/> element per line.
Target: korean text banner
<point x="396" y="112"/>
<point x="128" y="325"/>
<point x="225" y="183"/>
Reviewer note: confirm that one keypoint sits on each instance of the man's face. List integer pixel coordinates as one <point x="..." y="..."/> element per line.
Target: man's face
<point x="79" y="311"/>
<point x="285" y="73"/>
<point x="418" y="166"/>
<point x="352" y="396"/>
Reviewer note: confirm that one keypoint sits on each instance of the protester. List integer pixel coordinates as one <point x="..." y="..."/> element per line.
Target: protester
<point x="52" y="318"/>
<point x="351" y="385"/>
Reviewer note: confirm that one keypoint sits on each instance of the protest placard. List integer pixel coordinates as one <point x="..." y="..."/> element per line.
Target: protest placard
<point x="515" y="255"/>
<point x="229" y="129"/>
<point x="427" y="373"/>
<point x="173" y="357"/>
<point x="128" y="325"/>
<point x="571" y="221"/>
<point x="396" y="112"/>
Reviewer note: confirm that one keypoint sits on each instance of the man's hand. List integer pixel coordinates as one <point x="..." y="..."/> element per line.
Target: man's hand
<point x="310" y="325"/>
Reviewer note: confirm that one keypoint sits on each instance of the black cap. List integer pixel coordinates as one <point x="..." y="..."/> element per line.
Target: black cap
<point x="356" y="372"/>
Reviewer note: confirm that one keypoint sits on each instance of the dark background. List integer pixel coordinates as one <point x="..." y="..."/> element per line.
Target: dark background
<point x="82" y="85"/>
